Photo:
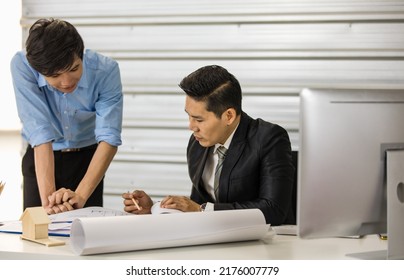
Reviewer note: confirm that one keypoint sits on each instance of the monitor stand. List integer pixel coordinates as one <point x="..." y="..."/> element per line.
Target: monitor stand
<point x="395" y="204"/>
<point x="395" y="210"/>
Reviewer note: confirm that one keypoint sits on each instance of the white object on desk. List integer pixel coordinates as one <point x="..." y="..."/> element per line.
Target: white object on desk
<point x="130" y="233"/>
<point x="156" y="209"/>
<point x="285" y="229"/>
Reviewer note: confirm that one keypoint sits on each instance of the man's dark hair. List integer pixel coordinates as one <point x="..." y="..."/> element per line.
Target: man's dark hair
<point x="53" y="45"/>
<point x="214" y="85"/>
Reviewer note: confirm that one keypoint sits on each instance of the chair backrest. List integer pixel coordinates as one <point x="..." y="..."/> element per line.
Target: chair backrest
<point x="295" y="156"/>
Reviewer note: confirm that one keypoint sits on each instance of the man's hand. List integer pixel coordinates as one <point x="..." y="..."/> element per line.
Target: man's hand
<point x="182" y="203"/>
<point x="142" y="199"/>
<point x="59" y="208"/>
<point x="64" y="200"/>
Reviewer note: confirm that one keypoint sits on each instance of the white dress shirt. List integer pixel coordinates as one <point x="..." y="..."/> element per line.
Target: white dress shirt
<point x="208" y="175"/>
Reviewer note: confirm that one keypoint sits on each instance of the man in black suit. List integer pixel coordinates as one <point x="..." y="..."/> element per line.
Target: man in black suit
<point x="257" y="170"/>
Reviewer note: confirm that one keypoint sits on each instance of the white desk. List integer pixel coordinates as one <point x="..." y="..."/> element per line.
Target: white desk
<point x="279" y="247"/>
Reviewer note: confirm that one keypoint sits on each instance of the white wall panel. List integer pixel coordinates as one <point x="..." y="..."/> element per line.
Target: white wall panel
<point x="274" y="47"/>
<point x="154" y="145"/>
<point x="341" y="39"/>
<point x="263" y="73"/>
<point x="157" y="179"/>
<point x="91" y="12"/>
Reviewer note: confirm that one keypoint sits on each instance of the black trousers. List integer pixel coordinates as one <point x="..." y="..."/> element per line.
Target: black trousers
<point x="70" y="168"/>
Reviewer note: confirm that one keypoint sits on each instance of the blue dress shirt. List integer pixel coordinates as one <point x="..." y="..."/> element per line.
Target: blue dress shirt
<point x="90" y="114"/>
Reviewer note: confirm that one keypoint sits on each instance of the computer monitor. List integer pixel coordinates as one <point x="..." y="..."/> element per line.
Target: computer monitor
<point x="344" y="135"/>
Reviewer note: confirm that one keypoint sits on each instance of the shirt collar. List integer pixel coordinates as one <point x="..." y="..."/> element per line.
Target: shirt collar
<point x="41" y="81"/>
<point x="83" y="80"/>
<point x="228" y="141"/>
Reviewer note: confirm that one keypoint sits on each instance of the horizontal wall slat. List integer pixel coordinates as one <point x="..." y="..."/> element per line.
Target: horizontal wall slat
<point x="154" y="178"/>
<point x="153" y="145"/>
<point x="163" y="146"/>
<point x="124" y="12"/>
<point x="267" y="73"/>
<point x="154" y="111"/>
<point x="249" y="41"/>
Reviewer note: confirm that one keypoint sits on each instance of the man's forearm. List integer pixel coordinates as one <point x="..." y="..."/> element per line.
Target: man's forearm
<point x="96" y="170"/>
<point x="45" y="170"/>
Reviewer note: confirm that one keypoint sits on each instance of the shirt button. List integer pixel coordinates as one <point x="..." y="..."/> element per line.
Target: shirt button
<point x="66" y="127"/>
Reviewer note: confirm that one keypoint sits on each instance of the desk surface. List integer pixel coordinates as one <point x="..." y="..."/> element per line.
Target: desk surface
<point x="277" y="247"/>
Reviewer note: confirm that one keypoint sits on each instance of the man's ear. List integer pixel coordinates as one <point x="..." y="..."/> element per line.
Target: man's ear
<point x="230" y="115"/>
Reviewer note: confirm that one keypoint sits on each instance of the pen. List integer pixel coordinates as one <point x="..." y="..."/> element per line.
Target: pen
<point x="137" y="205"/>
<point x="2" y="186"/>
<point x="134" y="202"/>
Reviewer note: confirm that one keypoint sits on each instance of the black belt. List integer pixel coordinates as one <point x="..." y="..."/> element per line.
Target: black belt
<point x="69" y="150"/>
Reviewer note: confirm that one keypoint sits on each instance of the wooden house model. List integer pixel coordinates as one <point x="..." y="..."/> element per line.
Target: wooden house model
<point x="35" y="222"/>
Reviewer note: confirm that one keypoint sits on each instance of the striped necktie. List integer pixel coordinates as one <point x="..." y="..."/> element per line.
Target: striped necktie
<point x="221" y="152"/>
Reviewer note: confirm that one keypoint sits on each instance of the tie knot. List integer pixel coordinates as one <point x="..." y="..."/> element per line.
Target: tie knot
<point x="221" y="152"/>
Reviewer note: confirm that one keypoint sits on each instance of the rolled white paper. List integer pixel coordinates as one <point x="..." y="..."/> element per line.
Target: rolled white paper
<point x="98" y="235"/>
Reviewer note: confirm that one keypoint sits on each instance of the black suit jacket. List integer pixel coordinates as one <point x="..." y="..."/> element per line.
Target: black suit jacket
<point x="257" y="171"/>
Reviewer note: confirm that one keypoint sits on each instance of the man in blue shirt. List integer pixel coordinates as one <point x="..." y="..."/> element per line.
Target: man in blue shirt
<point x="70" y="104"/>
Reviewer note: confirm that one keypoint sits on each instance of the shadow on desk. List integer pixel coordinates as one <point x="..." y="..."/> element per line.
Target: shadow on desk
<point x="372" y="255"/>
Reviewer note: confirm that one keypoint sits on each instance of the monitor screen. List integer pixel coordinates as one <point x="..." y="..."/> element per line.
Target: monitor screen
<point x="341" y="170"/>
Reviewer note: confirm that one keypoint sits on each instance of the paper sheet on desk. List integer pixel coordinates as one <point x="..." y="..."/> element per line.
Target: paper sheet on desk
<point x="140" y="232"/>
<point x="61" y="223"/>
<point x="54" y="229"/>
<point x="93" y="211"/>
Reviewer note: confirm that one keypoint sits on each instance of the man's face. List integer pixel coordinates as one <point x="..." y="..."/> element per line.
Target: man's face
<point x="67" y="81"/>
<point x="207" y="128"/>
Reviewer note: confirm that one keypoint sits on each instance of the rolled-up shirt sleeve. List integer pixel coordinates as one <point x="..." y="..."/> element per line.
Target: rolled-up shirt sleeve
<point x="32" y="105"/>
<point x="109" y="109"/>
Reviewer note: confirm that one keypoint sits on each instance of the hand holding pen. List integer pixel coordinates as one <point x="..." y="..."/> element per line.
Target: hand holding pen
<point x="137" y="202"/>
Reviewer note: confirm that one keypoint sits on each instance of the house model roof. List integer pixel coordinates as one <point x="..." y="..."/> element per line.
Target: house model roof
<point x="37" y="214"/>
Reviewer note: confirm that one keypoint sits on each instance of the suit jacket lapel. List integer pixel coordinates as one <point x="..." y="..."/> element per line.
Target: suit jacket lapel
<point x="197" y="172"/>
<point x="233" y="154"/>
